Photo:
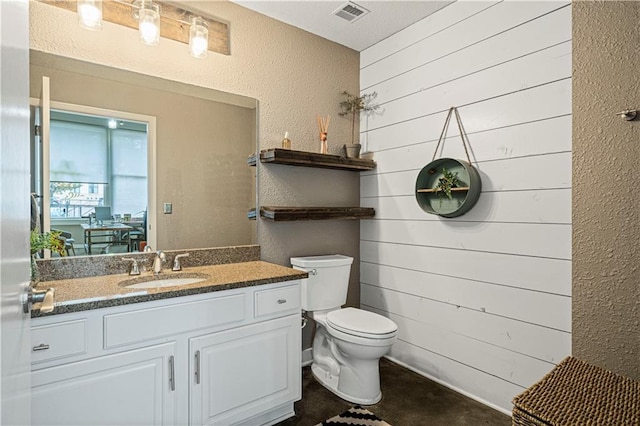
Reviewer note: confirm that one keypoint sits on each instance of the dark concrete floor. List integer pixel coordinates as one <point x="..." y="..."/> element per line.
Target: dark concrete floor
<point x="408" y="399"/>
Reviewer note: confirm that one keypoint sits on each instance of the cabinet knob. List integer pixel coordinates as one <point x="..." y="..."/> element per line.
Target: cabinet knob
<point x="281" y="301"/>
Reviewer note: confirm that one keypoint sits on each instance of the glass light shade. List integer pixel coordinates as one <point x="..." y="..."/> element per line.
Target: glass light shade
<point x="90" y="14"/>
<point x="198" y="37"/>
<point x="149" y="23"/>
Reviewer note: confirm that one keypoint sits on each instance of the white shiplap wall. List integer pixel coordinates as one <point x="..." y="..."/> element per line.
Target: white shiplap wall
<point x="482" y="301"/>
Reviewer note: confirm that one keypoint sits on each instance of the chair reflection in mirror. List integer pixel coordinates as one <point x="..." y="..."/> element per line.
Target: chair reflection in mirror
<point x="103" y="214"/>
<point x="139" y="232"/>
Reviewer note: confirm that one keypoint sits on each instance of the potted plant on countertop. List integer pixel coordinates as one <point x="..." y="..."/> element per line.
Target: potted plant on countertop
<point x="353" y="106"/>
<point x="43" y="241"/>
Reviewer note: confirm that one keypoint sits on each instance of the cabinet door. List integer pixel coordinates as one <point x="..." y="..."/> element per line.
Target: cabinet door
<point x="130" y="388"/>
<point x="240" y="373"/>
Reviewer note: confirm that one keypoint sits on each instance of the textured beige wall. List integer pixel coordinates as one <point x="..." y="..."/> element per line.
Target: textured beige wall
<point x="606" y="209"/>
<point x="293" y="74"/>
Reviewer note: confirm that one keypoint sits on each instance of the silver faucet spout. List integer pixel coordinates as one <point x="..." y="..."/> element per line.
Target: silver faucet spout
<point x="176" y="261"/>
<point x="157" y="262"/>
<point x="135" y="269"/>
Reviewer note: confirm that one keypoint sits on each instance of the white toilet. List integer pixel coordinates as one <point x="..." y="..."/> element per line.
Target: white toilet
<point x="348" y="342"/>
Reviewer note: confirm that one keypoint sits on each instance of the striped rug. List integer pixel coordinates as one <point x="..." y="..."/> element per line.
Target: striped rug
<point x="355" y="416"/>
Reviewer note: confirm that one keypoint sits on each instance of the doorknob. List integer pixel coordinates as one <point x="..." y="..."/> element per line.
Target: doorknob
<point x="45" y="297"/>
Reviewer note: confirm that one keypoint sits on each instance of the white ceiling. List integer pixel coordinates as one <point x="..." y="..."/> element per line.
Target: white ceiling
<point x="316" y="16"/>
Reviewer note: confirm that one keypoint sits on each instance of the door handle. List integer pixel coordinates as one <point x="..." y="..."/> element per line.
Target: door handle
<point x="45" y="297"/>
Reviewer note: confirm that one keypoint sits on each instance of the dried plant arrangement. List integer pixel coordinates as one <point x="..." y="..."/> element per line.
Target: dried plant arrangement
<point x="323" y="125"/>
<point x="355" y="105"/>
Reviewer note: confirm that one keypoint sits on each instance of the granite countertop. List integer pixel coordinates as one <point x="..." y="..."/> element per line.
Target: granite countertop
<point x="81" y="294"/>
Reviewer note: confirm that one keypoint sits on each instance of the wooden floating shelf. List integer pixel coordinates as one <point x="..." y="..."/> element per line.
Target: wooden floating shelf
<point x="313" y="159"/>
<point x="463" y="188"/>
<point x="315" y="213"/>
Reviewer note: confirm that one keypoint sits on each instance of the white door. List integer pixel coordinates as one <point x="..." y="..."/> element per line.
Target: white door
<point x="136" y="387"/>
<point x="14" y="212"/>
<point x="240" y="373"/>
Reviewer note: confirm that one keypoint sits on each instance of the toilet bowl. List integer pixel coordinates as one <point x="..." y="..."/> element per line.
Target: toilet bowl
<point x="354" y="340"/>
<point x="348" y="342"/>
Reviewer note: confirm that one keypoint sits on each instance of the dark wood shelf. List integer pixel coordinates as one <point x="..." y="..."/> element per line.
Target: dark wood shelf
<point x="315" y="213"/>
<point x="313" y="159"/>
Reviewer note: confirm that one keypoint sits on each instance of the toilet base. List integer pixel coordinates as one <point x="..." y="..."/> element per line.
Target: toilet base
<point x="330" y="382"/>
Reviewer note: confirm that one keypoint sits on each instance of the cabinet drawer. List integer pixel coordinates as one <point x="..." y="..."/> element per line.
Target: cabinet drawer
<point x="277" y="301"/>
<point x="59" y="340"/>
<point x="148" y="324"/>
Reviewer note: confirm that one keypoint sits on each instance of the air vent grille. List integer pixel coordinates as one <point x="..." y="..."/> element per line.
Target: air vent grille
<point x="350" y="11"/>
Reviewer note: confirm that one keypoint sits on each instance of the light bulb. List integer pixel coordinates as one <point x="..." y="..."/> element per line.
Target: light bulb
<point x="149" y="22"/>
<point x="198" y="37"/>
<point x="90" y="14"/>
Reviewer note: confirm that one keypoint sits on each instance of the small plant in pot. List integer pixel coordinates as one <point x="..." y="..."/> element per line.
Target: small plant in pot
<point x="352" y="106"/>
<point x="43" y="241"/>
<point x="446" y="183"/>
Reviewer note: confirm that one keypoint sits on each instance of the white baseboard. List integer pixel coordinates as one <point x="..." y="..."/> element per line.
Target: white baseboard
<point x="307" y="357"/>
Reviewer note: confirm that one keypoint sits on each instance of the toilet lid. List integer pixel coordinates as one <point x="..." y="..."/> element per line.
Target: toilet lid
<point x="359" y="322"/>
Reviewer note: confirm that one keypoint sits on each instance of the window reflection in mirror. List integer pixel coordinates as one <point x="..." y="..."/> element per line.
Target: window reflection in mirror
<point x="96" y="161"/>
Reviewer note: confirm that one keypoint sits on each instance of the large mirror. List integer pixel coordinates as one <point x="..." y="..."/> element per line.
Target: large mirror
<point x="199" y="185"/>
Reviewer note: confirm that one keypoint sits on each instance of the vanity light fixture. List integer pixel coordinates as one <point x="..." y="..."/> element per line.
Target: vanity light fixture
<point x="90" y="14"/>
<point x="201" y="33"/>
<point x="198" y="37"/>
<point x="147" y="13"/>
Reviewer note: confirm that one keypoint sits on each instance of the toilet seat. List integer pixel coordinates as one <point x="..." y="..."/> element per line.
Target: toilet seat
<point x="357" y="322"/>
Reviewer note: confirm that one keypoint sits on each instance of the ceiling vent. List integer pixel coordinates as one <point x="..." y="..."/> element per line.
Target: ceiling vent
<point x="350" y="11"/>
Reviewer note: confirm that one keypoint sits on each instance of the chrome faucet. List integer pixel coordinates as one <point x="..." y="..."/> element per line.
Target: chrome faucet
<point x="135" y="269"/>
<point x="176" y="261"/>
<point x="157" y="262"/>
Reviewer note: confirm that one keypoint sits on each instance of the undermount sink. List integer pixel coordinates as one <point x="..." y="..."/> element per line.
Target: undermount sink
<point x="164" y="280"/>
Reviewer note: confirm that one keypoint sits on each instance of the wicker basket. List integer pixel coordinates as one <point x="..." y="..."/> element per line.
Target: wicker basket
<point x="576" y="393"/>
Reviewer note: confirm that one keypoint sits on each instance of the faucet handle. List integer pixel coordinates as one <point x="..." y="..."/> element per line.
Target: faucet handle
<point x="176" y="261"/>
<point x="135" y="269"/>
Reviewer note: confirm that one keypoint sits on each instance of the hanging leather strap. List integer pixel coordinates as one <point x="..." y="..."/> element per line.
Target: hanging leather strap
<point x="443" y="134"/>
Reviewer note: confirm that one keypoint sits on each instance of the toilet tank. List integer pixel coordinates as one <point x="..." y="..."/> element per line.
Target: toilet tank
<point x="326" y="287"/>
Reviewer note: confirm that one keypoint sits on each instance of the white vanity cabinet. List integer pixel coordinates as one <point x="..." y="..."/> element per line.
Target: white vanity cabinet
<point x="131" y="385"/>
<point x="243" y="372"/>
<point x="229" y="357"/>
